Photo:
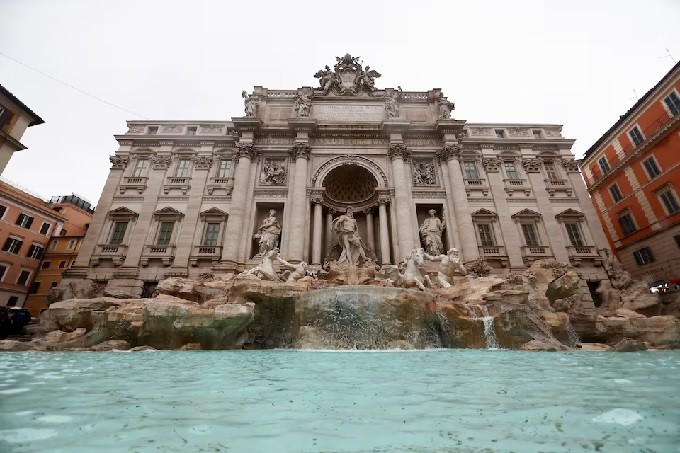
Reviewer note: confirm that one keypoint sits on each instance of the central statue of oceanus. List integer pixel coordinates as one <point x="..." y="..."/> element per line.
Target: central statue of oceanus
<point x="353" y="248"/>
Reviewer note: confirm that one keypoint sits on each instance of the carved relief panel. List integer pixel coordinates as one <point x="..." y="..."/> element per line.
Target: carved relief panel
<point x="273" y="172"/>
<point x="424" y="172"/>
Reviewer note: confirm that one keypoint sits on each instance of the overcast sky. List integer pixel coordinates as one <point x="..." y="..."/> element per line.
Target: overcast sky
<point x="577" y="63"/>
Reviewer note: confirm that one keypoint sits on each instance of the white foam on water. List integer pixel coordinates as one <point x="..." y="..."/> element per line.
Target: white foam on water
<point x="620" y="416"/>
<point x="26" y="434"/>
<point x="23" y="413"/>
<point x="55" y="419"/>
<point x="623" y="381"/>
<point x="52" y="376"/>
<point x="14" y="391"/>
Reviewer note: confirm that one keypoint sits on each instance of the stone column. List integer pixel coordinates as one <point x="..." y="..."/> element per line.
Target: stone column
<point x="384" y="234"/>
<point x="329" y="230"/>
<point x="94" y="232"/>
<point x="316" y="238"/>
<point x="296" y="243"/>
<point x="234" y="234"/>
<point x="466" y="229"/>
<point x="397" y="153"/>
<point x="370" y="233"/>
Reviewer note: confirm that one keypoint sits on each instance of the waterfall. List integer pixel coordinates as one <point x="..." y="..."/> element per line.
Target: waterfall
<point x="572" y="336"/>
<point x="489" y="333"/>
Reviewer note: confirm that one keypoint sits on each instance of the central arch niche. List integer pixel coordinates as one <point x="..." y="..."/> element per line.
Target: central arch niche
<point x="350" y="185"/>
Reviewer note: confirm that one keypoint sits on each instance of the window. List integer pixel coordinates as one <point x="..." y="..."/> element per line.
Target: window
<point x="12" y="245"/>
<point x="191" y="130"/>
<point x="486" y="236"/>
<point x="140" y="168"/>
<point x="575" y="234"/>
<point x="45" y="265"/>
<point x="54" y="284"/>
<point x="615" y="193"/>
<point x="34" y="288"/>
<point x="470" y="170"/>
<point x="627" y="223"/>
<point x="71" y="244"/>
<point x="12" y="301"/>
<point x="24" y="221"/>
<point x="23" y="277"/>
<point x="165" y="233"/>
<point x="152" y="130"/>
<point x="530" y="236"/>
<point x="3" y="209"/>
<point x="551" y="171"/>
<point x="5" y="115"/>
<point x="118" y="233"/>
<point x="643" y="256"/>
<point x="604" y="164"/>
<point x="636" y="136"/>
<point x="500" y="133"/>
<point x="537" y="133"/>
<point x="62" y="264"/>
<point x="224" y="168"/>
<point x="3" y="271"/>
<point x="35" y="251"/>
<point x="510" y="170"/>
<point x="651" y="167"/>
<point x="44" y="228"/>
<point x="53" y="245"/>
<point x="672" y="101"/>
<point x="183" y="168"/>
<point x="212" y="231"/>
<point x="677" y="240"/>
<point x="669" y="201"/>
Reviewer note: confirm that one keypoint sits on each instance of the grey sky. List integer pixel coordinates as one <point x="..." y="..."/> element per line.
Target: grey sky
<point x="575" y="63"/>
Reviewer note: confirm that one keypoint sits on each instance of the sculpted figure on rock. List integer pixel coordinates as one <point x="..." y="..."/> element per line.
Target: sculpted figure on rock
<point x="412" y="274"/>
<point x="450" y="266"/>
<point x="353" y="249"/>
<point x="268" y="233"/>
<point x="620" y="279"/>
<point x="431" y="234"/>
<point x="266" y="271"/>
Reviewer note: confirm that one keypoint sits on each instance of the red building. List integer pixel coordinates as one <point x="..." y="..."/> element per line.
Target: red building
<point x="633" y="175"/>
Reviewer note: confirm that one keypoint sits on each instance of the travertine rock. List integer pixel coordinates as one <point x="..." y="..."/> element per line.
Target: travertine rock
<point x="658" y="331"/>
<point x="628" y="345"/>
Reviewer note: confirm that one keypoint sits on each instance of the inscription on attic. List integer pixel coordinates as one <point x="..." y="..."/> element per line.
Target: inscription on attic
<point x="348" y="112"/>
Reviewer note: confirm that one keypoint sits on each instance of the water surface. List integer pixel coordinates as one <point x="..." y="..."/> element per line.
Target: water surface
<point x="302" y="401"/>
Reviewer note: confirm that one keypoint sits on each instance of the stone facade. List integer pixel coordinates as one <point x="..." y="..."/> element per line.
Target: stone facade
<point x="185" y="198"/>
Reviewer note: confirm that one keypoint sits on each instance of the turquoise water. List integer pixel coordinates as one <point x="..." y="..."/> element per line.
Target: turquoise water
<point x="300" y="401"/>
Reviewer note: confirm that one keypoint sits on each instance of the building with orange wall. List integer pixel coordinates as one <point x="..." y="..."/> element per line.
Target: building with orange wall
<point x="62" y="249"/>
<point x="15" y="118"/>
<point x="633" y="175"/>
<point x="26" y="225"/>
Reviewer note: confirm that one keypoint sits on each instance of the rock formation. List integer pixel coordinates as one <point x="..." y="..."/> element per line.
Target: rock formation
<point x="547" y="307"/>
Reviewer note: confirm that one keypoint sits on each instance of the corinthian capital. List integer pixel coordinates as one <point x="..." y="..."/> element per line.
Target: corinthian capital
<point x="119" y="162"/>
<point x="449" y="152"/>
<point x="300" y="150"/>
<point x="398" y="150"/>
<point x="247" y="150"/>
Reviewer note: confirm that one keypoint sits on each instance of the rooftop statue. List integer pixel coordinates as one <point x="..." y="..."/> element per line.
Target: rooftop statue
<point x="347" y="77"/>
<point x="251" y="102"/>
<point x="303" y="104"/>
<point x="445" y="108"/>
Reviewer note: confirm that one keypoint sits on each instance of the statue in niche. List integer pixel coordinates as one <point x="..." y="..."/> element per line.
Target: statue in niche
<point x="353" y="249"/>
<point x="272" y="174"/>
<point x="392" y="105"/>
<point x="250" y="102"/>
<point x="303" y="104"/>
<point x="424" y="174"/>
<point x="450" y="266"/>
<point x="268" y="234"/>
<point x="445" y="108"/>
<point x="431" y="234"/>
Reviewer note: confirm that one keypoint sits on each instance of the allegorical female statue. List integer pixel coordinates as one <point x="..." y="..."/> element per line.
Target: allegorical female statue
<point x="268" y="234"/>
<point x="431" y="233"/>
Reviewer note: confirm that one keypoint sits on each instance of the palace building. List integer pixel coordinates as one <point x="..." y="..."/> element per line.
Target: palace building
<point x="188" y="197"/>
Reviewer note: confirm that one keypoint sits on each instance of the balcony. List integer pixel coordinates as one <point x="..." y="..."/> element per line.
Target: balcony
<point x="177" y="182"/>
<point x="225" y="185"/>
<point x="115" y="252"/>
<point x="165" y="253"/>
<point x="494" y="254"/>
<point x="556" y="185"/>
<point x="516" y="184"/>
<point x="577" y="253"/>
<point x="206" y="252"/>
<point x="532" y="253"/>
<point x="137" y="183"/>
<point x="476" y="184"/>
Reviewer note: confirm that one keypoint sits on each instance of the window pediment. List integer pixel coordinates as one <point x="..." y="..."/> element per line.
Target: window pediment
<point x="526" y="214"/>
<point x="122" y="213"/>
<point x="570" y="214"/>
<point x="484" y="214"/>
<point x="214" y="213"/>
<point x="168" y="213"/>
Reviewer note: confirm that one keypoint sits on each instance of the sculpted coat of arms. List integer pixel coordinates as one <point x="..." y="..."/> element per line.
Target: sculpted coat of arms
<point x="347" y="77"/>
